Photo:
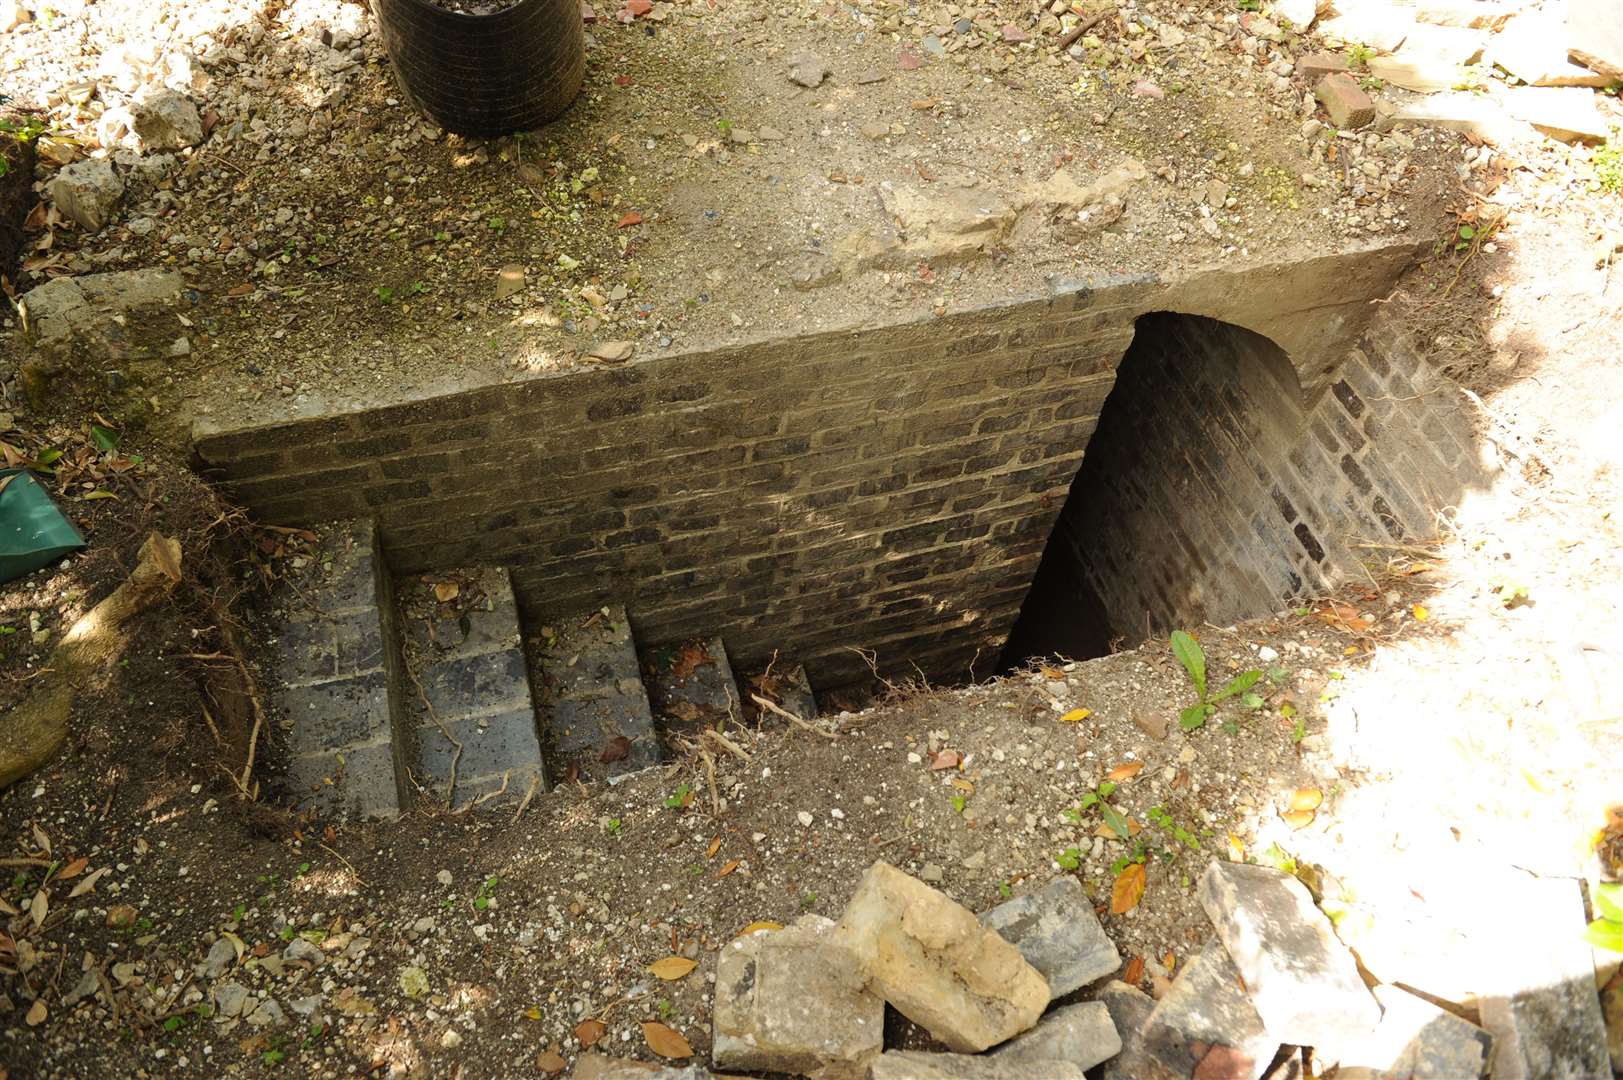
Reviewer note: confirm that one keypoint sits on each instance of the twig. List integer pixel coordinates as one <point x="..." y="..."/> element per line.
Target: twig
<point x="456" y="753"/>
<point x="791" y="717"/>
<point x="25" y="862"/>
<point x="487" y="796"/>
<point x="1070" y="37"/>
<point x="347" y="864"/>
<point x="524" y="804"/>
<point x="726" y="744"/>
<point x="710" y="775"/>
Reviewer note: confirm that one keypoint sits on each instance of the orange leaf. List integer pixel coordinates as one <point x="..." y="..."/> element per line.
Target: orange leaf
<point x="664" y="1041"/>
<point x="73" y="869"/>
<point x="446" y="591"/>
<point x="550" y="1061"/>
<point x="762" y="924"/>
<point x="589" y="1031"/>
<point x="1125" y="771"/>
<point x="715" y="846"/>
<point x="1128" y="890"/>
<point x="1135" y="971"/>
<point x="1307" y="798"/>
<point x="1051" y="672"/>
<point x="1298" y="819"/>
<point x="1170" y="960"/>
<point x="672" y="967"/>
<point x="240" y="290"/>
<point x="729" y="867"/>
<point x="633" y="218"/>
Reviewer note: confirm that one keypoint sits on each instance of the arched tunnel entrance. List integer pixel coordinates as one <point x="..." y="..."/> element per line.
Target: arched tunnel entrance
<point x="1184" y="509"/>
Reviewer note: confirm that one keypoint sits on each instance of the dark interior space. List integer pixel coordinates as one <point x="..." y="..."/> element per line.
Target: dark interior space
<point x="1171" y="517"/>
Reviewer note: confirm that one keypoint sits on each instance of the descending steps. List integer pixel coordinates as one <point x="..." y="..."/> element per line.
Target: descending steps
<point x="468" y="692"/>
<point x="339" y="665"/>
<point x="591" y="699"/>
<point x="429" y="693"/>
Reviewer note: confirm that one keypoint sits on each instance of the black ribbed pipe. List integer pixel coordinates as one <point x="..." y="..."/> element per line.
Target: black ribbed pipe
<point x="486" y="74"/>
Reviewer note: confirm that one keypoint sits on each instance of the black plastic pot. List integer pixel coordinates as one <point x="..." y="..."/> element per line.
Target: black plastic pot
<point x="486" y="74"/>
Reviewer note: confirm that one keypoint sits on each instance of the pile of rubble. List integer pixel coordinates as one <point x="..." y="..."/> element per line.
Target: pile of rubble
<point x="1501" y="70"/>
<point x="1274" y="993"/>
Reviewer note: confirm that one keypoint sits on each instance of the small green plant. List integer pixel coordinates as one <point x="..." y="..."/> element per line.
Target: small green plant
<point x="1249" y="5"/>
<point x="1511" y="591"/>
<point x="482" y="899"/>
<point x="807" y="899"/>
<point x="724" y="126"/>
<point x="1069" y="859"/>
<point x="1606" y="932"/>
<point x="1004" y="890"/>
<point x="385" y="293"/>
<point x="1608" y="165"/>
<point x="1163" y="820"/>
<point x="1193" y="659"/>
<point x="665" y="1009"/>
<point x="273" y="1057"/>
<point x="1137" y="855"/>
<point x="1360" y="55"/>
<point x="680" y="797"/>
<point x="1371" y="84"/>
<point x="612" y="826"/>
<point x="1099" y="797"/>
<point x="497" y="225"/>
<point x="958" y="804"/>
<point x="1466" y="235"/>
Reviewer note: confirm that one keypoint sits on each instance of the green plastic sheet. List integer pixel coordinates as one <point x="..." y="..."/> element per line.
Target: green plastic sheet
<point x="33" y="532"/>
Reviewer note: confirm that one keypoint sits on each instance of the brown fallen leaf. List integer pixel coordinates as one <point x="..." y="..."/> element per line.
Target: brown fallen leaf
<point x="550" y="1061"/>
<point x="672" y="967"/>
<point x="446" y="591"/>
<point x="240" y="290"/>
<point x="664" y="1041"/>
<point x="690" y="659"/>
<point x="1169" y="960"/>
<point x="1053" y="673"/>
<point x="616" y="749"/>
<point x="73" y="869"/>
<point x="588" y="1031"/>
<point x="758" y="925"/>
<point x="715" y="846"/>
<point x="1134" y="974"/>
<point x="1125" y="771"/>
<point x="1307" y="798"/>
<point x="39" y="907"/>
<point x="37" y="1013"/>
<point x="1297" y="819"/>
<point x="727" y="868"/>
<point x="1128" y="889"/>
<point x="1133" y="829"/>
<point x="629" y="219"/>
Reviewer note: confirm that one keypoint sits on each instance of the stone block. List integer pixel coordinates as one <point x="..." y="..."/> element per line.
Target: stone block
<point x="1379" y="26"/>
<point x="88" y="192"/>
<point x="1129" y="1008"/>
<point x="54" y="312"/>
<point x="915" y="1065"/>
<point x="1474" y="14"/>
<point x="1565" y="113"/>
<point x="1595" y="34"/>
<point x="931" y="958"/>
<point x="1058" y="933"/>
<point x="1416" y="1040"/>
<point x="1082" y="1034"/>
<point x="1205" y="1026"/>
<point x="594" y="1066"/>
<point x="1349" y="107"/>
<point x="1431" y="59"/>
<point x="1542" y="1008"/>
<point x="167" y="120"/>
<point x="1302" y="981"/>
<point x="1317" y="65"/>
<point x="1534" y="47"/>
<point x="1463" y="111"/>
<point x="793" y="1001"/>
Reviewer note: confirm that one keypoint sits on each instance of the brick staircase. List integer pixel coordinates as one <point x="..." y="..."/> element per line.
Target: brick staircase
<point x="429" y="689"/>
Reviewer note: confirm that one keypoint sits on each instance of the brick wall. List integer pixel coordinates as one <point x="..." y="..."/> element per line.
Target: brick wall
<point x="1210" y="493"/>
<point x="890" y="489"/>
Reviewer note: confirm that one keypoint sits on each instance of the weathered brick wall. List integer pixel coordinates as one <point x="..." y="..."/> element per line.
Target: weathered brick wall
<point x="1211" y="494"/>
<point x="889" y="489"/>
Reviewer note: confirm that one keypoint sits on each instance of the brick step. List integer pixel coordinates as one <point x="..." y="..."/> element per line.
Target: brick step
<point x="787" y="687"/>
<point x="467" y="684"/>
<point x="595" y="719"/>
<point x="691" y="686"/>
<point x="335" y="691"/>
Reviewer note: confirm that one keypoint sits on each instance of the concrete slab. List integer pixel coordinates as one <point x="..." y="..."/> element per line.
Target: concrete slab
<point x="1056" y="930"/>
<point x="595" y="718"/>
<point x="1206" y="1023"/>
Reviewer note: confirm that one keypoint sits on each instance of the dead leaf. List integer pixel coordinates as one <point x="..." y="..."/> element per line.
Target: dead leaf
<point x="1135" y="971"/>
<point x="1345" y="616"/>
<point x="1307" y="798"/>
<point x="1125" y="771"/>
<point x="629" y="219"/>
<point x="664" y="1041"/>
<point x="1297" y="819"/>
<point x="550" y="1061"/>
<point x="690" y="659"/>
<point x="731" y="865"/>
<point x="39" y="907"/>
<point x="1128" y="889"/>
<point x="89" y="883"/>
<point x="588" y="1031"/>
<point x="446" y="591"/>
<point x="1076" y="716"/>
<point x="37" y="1013"/>
<point x="616" y="749"/>
<point x="41" y="841"/>
<point x="73" y="869"/>
<point x="240" y="290"/>
<point x="1051" y="672"/>
<point x="715" y="846"/>
<point x="1133" y="829"/>
<point x="672" y="967"/>
<point x="1153" y="725"/>
<point x="945" y="759"/>
<point x="1169" y="960"/>
<point x="963" y="785"/>
<point x="762" y="924"/>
